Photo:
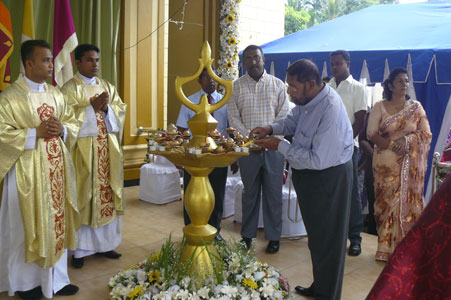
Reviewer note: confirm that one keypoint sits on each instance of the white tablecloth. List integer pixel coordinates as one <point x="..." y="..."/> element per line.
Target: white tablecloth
<point x="159" y="182"/>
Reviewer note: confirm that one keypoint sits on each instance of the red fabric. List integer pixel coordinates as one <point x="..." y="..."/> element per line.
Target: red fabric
<point x="446" y="155"/>
<point x="420" y="267"/>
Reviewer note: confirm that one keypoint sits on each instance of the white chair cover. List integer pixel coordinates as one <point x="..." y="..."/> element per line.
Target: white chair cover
<point x="159" y="182"/>
<point x="292" y="224"/>
<point x="229" y="198"/>
<point x="238" y="205"/>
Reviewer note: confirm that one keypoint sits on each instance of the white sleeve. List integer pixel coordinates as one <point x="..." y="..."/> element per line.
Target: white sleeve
<point x="64" y="136"/>
<point x="360" y="101"/>
<point x="30" y="143"/>
<point x="89" y="127"/>
<point x="110" y="120"/>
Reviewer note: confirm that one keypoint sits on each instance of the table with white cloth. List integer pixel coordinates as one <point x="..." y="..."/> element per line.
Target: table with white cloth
<point x="159" y="182"/>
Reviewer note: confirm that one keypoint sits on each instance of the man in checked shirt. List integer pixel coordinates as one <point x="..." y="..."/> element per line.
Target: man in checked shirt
<point x="258" y="99"/>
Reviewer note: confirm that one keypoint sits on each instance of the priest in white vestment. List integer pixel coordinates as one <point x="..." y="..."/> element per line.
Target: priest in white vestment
<point x="97" y="156"/>
<point x="38" y="209"/>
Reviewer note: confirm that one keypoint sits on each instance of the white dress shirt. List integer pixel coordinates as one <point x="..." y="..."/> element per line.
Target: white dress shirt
<point x="220" y="115"/>
<point x="353" y="95"/>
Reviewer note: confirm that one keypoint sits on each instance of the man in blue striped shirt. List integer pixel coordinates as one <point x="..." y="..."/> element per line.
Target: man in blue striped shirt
<point x="320" y="156"/>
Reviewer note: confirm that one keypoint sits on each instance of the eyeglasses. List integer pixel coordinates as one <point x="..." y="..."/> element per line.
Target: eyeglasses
<point x="257" y="58"/>
<point x="290" y="87"/>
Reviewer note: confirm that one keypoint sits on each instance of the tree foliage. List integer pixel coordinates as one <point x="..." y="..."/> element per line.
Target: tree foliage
<point x="295" y="20"/>
<point x="318" y="11"/>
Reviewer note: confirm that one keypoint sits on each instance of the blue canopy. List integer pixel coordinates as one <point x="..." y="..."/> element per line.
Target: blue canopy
<point x="379" y="33"/>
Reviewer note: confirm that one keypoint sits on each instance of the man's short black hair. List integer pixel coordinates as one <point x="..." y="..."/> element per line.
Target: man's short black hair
<point x="305" y="70"/>
<point x="252" y="47"/>
<point x="345" y="54"/>
<point x="27" y="49"/>
<point x="205" y="69"/>
<point x="83" y="48"/>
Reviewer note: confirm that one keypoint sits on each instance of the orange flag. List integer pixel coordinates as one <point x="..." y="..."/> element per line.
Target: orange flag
<point x="6" y="46"/>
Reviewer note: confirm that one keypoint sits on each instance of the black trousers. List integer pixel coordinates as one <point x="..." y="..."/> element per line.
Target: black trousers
<point x="356" y="217"/>
<point x="325" y="200"/>
<point x="369" y="185"/>
<point x="218" y="179"/>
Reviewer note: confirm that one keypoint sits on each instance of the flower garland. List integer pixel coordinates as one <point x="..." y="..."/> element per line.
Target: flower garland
<point x="228" y="40"/>
<point x="238" y="275"/>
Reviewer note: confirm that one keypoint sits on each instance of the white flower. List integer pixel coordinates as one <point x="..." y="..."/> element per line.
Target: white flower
<point x="277" y="295"/>
<point x="147" y="296"/>
<point x="174" y="288"/>
<point x="217" y="289"/>
<point x="248" y="273"/>
<point x="267" y="290"/>
<point x="185" y="282"/>
<point x="141" y="275"/>
<point x="237" y="266"/>
<point x="155" y="290"/>
<point x="203" y="292"/>
<point x="229" y="31"/>
<point x="259" y="276"/>
<point x="209" y="281"/>
<point x="182" y="294"/>
<point x="229" y="290"/>
<point x="239" y="277"/>
<point x="272" y="281"/>
<point x="194" y="296"/>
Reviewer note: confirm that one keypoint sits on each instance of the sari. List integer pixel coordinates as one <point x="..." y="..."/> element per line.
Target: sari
<point x="398" y="179"/>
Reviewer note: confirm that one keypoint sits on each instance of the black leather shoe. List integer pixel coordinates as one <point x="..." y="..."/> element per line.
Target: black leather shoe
<point x="219" y="238"/>
<point x="77" y="263"/>
<point x="247" y="242"/>
<point x="33" y="294"/>
<point x="273" y="247"/>
<point x="68" y="290"/>
<point x="306" y="292"/>
<point x="110" y="254"/>
<point x="354" y="249"/>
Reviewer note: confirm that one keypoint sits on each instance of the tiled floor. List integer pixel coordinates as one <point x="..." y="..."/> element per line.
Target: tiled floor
<point x="146" y="226"/>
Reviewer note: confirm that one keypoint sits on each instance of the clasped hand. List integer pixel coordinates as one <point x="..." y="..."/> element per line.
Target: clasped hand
<point x="100" y="102"/>
<point x="49" y="128"/>
<point x="399" y="147"/>
<point x="262" y="139"/>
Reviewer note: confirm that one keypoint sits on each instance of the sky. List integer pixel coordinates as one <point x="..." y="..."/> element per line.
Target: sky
<point x="411" y="1"/>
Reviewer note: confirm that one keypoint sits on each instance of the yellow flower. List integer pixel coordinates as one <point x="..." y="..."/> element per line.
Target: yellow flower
<point x="250" y="283"/>
<point x="231" y="41"/>
<point x="135" y="292"/>
<point x="154" y="276"/>
<point x="230" y="18"/>
<point x="229" y="65"/>
<point x="154" y="258"/>
<point x="238" y="1"/>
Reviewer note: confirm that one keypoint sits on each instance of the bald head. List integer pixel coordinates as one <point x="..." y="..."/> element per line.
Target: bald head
<point x="304" y="82"/>
<point x="305" y="70"/>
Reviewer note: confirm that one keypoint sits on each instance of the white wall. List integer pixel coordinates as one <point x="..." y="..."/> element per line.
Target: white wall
<point x="261" y="21"/>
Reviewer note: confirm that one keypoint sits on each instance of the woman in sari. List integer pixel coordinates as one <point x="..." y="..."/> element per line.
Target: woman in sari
<point x="400" y="131"/>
